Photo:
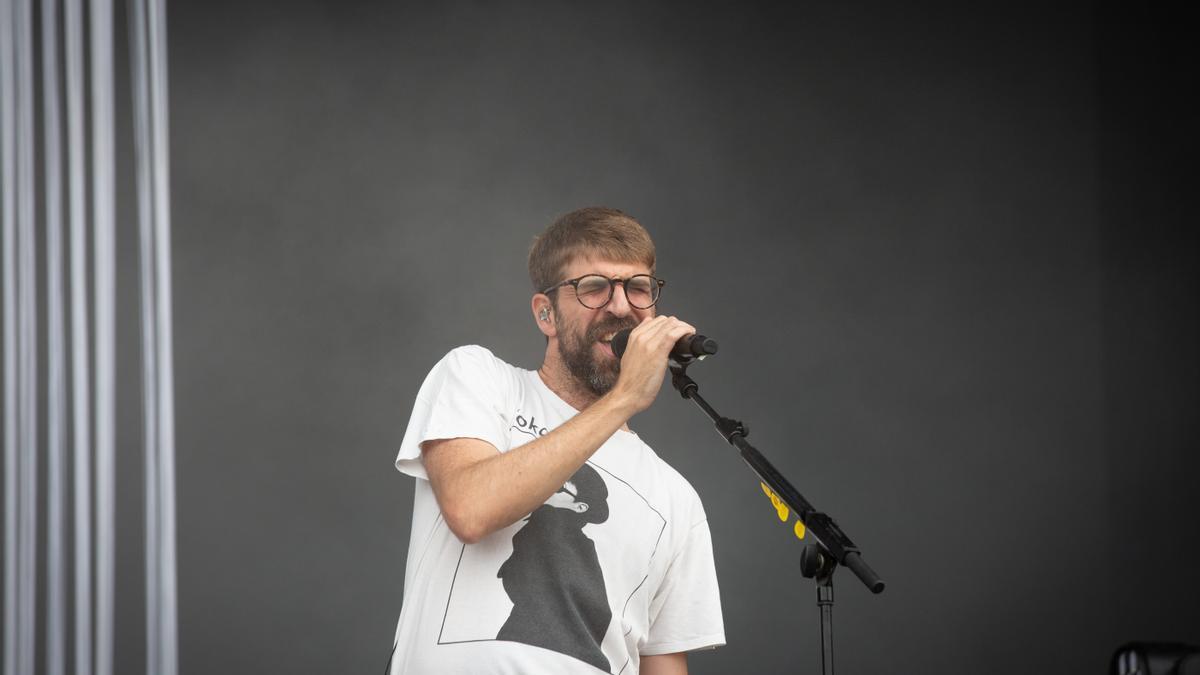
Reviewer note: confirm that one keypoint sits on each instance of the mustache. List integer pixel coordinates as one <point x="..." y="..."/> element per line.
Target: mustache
<point x="609" y="326"/>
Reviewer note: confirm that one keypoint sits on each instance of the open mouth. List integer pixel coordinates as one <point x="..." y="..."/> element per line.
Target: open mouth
<point x="603" y="336"/>
<point x="605" y="342"/>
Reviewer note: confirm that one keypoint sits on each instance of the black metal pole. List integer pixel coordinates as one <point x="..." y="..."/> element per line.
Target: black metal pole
<point x="823" y="528"/>
<point x="817" y="564"/>
<point x="817" y="561"/>
<point x="825" y="604"/>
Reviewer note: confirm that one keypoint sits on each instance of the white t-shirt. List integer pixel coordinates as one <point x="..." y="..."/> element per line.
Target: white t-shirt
<point x="616" y="565"/>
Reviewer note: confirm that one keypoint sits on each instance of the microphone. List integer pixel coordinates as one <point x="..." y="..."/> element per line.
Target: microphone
<point x="694" y="347"/>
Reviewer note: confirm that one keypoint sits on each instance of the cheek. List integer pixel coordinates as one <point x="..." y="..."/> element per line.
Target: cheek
<point x="562" y="325"/>
<point x="570" y="330"/>
<point x="576" y="327"/>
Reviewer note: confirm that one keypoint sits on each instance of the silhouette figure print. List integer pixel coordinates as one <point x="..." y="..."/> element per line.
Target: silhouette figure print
<point x="553" y="576"/>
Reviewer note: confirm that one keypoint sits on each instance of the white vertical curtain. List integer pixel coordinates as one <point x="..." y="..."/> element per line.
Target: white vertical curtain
<point x="55" y="337"/>
<point x="81" y="411"/>
<point x="76" y="164"/>
<point x="147" y="29"/>
<point x="13" y="440"/>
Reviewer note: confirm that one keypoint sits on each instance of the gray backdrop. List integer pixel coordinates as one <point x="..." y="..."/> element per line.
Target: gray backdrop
<point x="944" y="251"/>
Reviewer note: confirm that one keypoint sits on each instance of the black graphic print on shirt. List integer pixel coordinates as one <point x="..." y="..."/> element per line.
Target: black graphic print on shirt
<point x="553" y="576"/>
<point x="563" y="578"/>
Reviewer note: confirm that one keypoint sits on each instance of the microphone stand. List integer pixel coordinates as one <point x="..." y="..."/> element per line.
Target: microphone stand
<point x="817" y="561"/>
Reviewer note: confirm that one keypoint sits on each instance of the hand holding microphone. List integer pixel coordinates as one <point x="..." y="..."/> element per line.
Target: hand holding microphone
<point x="644" y="352"/>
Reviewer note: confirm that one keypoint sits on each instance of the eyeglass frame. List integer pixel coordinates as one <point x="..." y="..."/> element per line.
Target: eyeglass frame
<point x="612" y="288"/>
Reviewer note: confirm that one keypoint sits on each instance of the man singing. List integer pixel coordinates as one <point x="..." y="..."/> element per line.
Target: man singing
<point x="547" y="537"/>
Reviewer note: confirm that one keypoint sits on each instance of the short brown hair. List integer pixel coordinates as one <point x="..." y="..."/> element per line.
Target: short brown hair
<point x="596" y="230"/>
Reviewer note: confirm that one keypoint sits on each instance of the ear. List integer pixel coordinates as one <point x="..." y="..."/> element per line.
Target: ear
<point x="543" y="314"/>
<point x="579" y="507"/>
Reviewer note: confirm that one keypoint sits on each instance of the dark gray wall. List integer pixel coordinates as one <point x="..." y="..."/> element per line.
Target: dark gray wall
<point x="943" y="249"/>
<point x="1150" y="288"/>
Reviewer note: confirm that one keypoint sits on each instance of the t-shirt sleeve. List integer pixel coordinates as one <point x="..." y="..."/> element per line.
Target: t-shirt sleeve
<point x="686" y="612"/>
<point x="464" y="396"/>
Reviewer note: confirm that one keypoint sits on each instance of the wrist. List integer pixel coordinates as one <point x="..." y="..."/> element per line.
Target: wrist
<point x="620" y="403"/>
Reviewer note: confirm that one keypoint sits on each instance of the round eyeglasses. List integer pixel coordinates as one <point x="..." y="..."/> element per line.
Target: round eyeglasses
<point x="596" y="290"/>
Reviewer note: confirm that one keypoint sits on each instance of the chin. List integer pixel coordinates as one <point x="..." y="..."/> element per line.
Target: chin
<point x="602" y="382"/>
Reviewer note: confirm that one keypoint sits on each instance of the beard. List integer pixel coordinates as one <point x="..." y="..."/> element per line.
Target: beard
<point x="595" y="372"/>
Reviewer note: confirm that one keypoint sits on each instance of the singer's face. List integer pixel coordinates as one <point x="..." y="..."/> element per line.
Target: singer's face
<point x="584" y="334"/>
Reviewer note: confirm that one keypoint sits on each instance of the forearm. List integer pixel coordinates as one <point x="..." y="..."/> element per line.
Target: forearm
<point x="664" y="664"/>
<point x="496" y="490"/>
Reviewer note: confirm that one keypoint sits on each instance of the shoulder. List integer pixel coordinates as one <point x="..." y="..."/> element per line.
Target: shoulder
<point x="468" y="366"/>
<point x="474" y="356"/>
<point x="477" y="360"/>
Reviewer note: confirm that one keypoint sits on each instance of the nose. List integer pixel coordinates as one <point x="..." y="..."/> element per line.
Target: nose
<point x="619" y="304"/>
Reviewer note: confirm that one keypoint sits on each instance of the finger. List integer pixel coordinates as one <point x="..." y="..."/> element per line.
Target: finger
<point x="681" y="329"/>
<point x="644" y="325"/>
<point x="648" y="330"/>
<point x="676" y="328"/>
<point x="666" y="334"/>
